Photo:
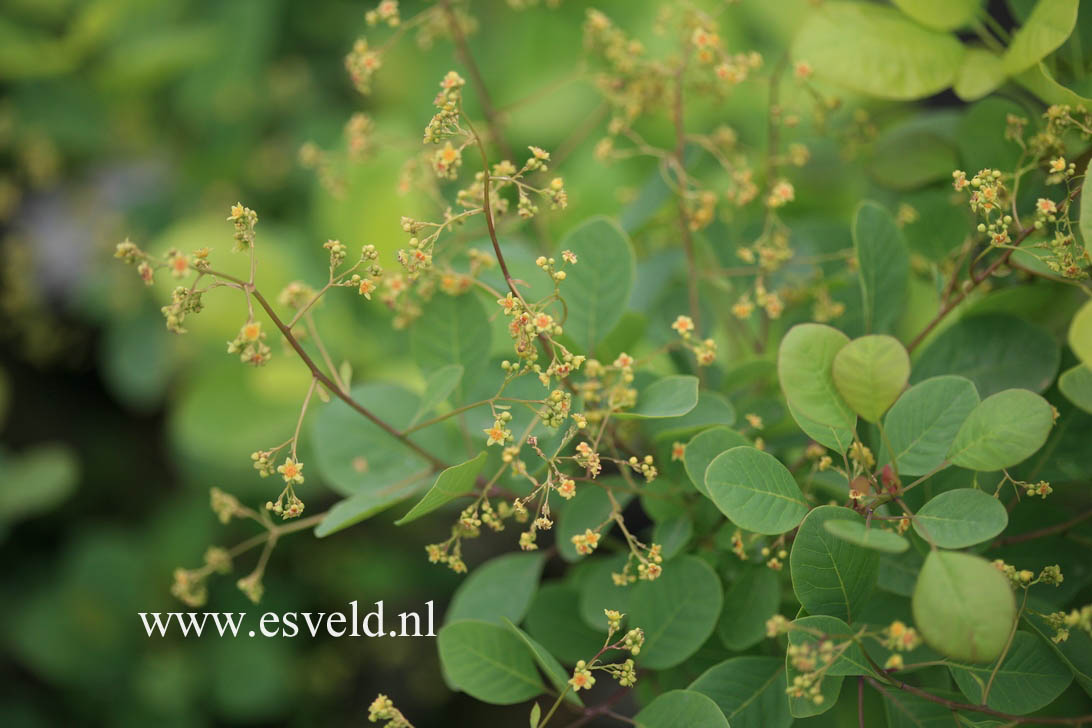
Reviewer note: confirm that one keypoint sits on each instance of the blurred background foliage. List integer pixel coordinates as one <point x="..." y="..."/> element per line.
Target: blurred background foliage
<point x="148" y="119"/>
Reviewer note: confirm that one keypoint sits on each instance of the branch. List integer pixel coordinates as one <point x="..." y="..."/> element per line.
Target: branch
<point x="977" y="278"/>
<point x="323" y="379"/>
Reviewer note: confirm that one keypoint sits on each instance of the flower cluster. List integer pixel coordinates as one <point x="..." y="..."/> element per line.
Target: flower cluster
<point x="362" y="62"/>
<point x="250" y="345"/>
<point x="705" y="350"/>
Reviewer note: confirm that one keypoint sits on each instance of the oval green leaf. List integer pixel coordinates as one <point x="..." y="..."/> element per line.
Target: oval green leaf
<point x="1003" y="430"/>
<point x="453" y="330"/>
<point x="488" y="662"/>
<point x="940" y="14"/>
<point x="829" y="575"/>
<point x="884" y="266"/>
<point x="870" y="373"/>
<point x="869" y="537"/>
<point x="677" y="611"/>
<point x="751" y="599"/>
<point x="501" y="588"/>
<point x="1076" y="385"/>
<point x="995" y="351"/>
<point x="904" y="60"/>
<point x="671" y="396"/>
<point x="755" y="491"/>
<point x="453" y="482"/>
<point x="924" y="421"/>
<point x="705" y="446"/>
<point x="749" y="690"/>
<point x="681" y="709"/>
<point x="1048" y="26"/>
<point x="959" y="518"/>
<point x="963" y="606"/>
<point x="597" y="288"/>
<point x="1080" y="331"/>
<point x="804" y="369"/>
<point x="1031" y="677"/>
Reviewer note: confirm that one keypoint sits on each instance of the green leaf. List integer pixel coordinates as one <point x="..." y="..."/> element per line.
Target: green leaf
<point x="904" y="60"/>
<point x="995" y="351"/>
<point x="598" y="591"/>
<point x="1046" y="29"/>
<point x="367" y="503"/>
<point x="488" y="662"/>
<point x="501" y="588"/>
<point x="1003" y="430"/>
<point x="750" y="691"/>
<point x="551" y="668"/>
<point x="681" y="709"/>
<point x="884" y="264"/>
<point x="831" y="576"/>
<point x="677" y="611"/>
<point x="836" y="438"/>
<point x="671" y="396"/>
<point x="1042" y="83"/>
<point x="355" y="455"/>
<point x="673" y="535"/>
<point x="981" y="72"/>
<point x="554" y="620"/>
<point x="1076" y="385"/>
<point x="705" y="446"/>
<point x="1031" y="677"/>
<point x="453" y="482"/>
<point x="940" y="14"/>
<point x="712" y="410"/>
<point x="924" y="421"/>
<point x="751" y="599"/>
<point x="906" y="710"/>
<point x="597" y="288"/>
<point x="438" y="387"/>
<point x="588" y="508"/>
<point x="1080" y="333"/>
<point x="870" y="373"/>
<point x="851" y="662"/>
<point x="535" y="717"/>
<point x="755" y="491"/>
<point x="1075" y="652"/>
<point x="958" y="518"/>
<point x="453" y="330"/>
<point x="913" y="153"/>
<point x="871" y="537"/>
<point x="804" y="369"/>
<point x="963" y="606"/>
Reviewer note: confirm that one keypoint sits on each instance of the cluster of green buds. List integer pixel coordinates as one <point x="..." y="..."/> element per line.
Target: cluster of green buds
<point x="366" y="284"/>
<point x="555" y="410"/>
<point x="250" y="345"/>
<point x="645" y="467"/>
<point x="1063" y="622"/>
<point x="183" y="301"/>
<point x="1023" y="578"/>
<point x="449" y="553"/>
<point x="445" y="123"/>
<point x="382" y="709"/>
<point x="244" y="219"/>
